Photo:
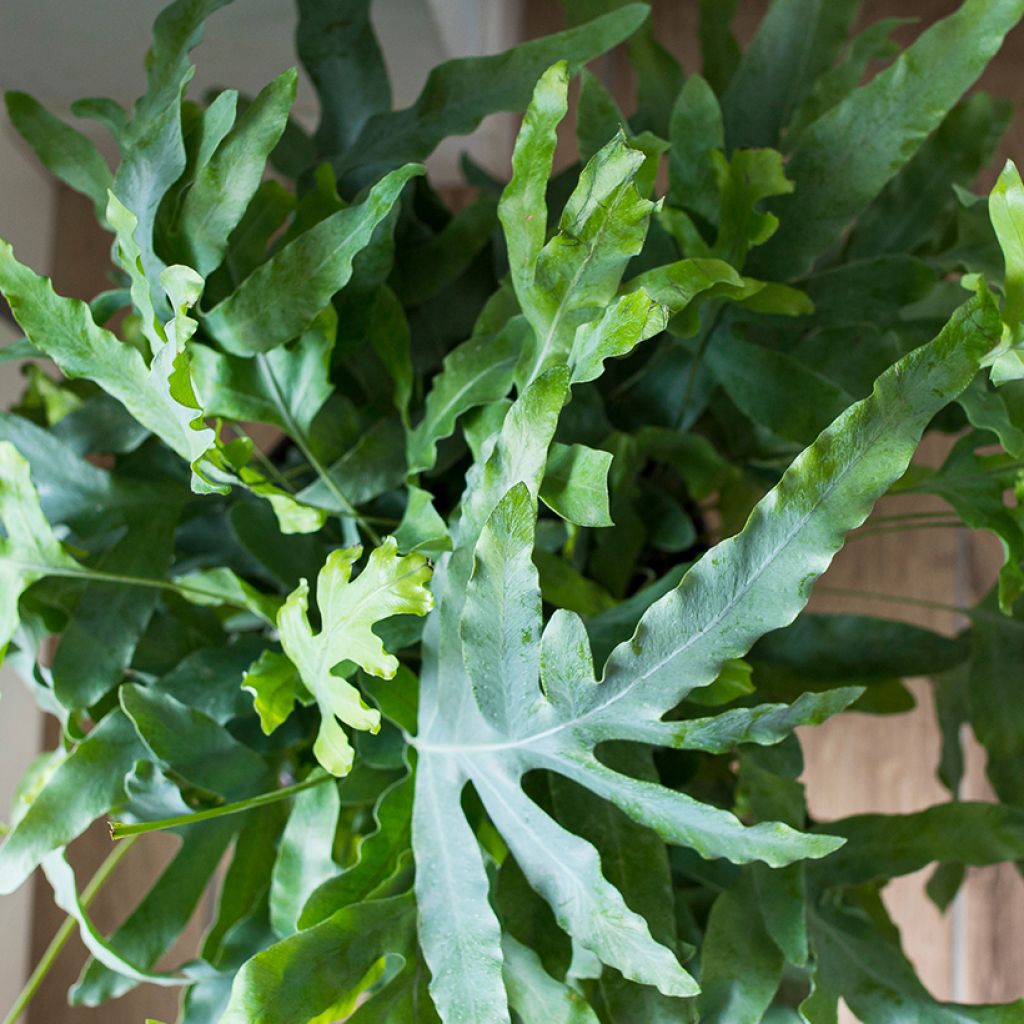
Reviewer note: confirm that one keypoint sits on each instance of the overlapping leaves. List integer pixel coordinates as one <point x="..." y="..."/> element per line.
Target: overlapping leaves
<point x="570" y="765"/>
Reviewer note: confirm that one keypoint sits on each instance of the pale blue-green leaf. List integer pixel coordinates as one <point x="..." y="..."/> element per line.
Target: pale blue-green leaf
<point x="458" y="931"/>
<point x="500" y="624"/>
<point x="763" y="724"/>
<point x="636" y="862"/>
<point x="575" y="484"/>
<point x="467" y="973"/>
<point x="768" y="568"/>
<point x="597" y="917"/>
<point x="796" y="529"/>
<point x="534" y="994"/>
<point x="304" y="858"/>
<point x="502" y="604"/>
<point x="828" y="491"/>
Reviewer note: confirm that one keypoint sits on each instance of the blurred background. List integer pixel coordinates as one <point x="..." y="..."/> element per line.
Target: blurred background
<point x="60" y="51"/>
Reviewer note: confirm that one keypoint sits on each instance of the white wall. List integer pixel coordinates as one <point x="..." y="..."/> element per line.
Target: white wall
<point x="27" y="206"/>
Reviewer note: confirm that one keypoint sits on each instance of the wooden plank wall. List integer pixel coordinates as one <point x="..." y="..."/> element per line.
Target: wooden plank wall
<point x="974" y="952"/>
<point x="863" y="763"/>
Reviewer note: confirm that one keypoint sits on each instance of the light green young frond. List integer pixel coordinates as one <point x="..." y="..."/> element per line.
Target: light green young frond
<point x="390" y="584"/>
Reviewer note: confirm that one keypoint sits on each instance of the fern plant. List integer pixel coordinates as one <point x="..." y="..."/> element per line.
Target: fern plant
<point x="484" y="676"/>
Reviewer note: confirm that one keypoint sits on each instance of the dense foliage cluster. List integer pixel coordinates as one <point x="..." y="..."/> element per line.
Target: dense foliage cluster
<point x="561" y="470"/>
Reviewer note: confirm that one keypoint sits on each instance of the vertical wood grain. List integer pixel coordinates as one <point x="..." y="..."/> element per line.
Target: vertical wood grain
<point x="992" y="900"/>
<point x="887" y="763"/>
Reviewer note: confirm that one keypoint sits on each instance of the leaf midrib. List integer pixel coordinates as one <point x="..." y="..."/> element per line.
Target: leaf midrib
<point x="752" y="580"/>
<point x="570" y="291"/>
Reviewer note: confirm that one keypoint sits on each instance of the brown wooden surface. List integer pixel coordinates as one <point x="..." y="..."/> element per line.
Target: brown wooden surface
<point x="864" y="763"/>
<point x="992" y="914"/>
<point x="859" y="763"/>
